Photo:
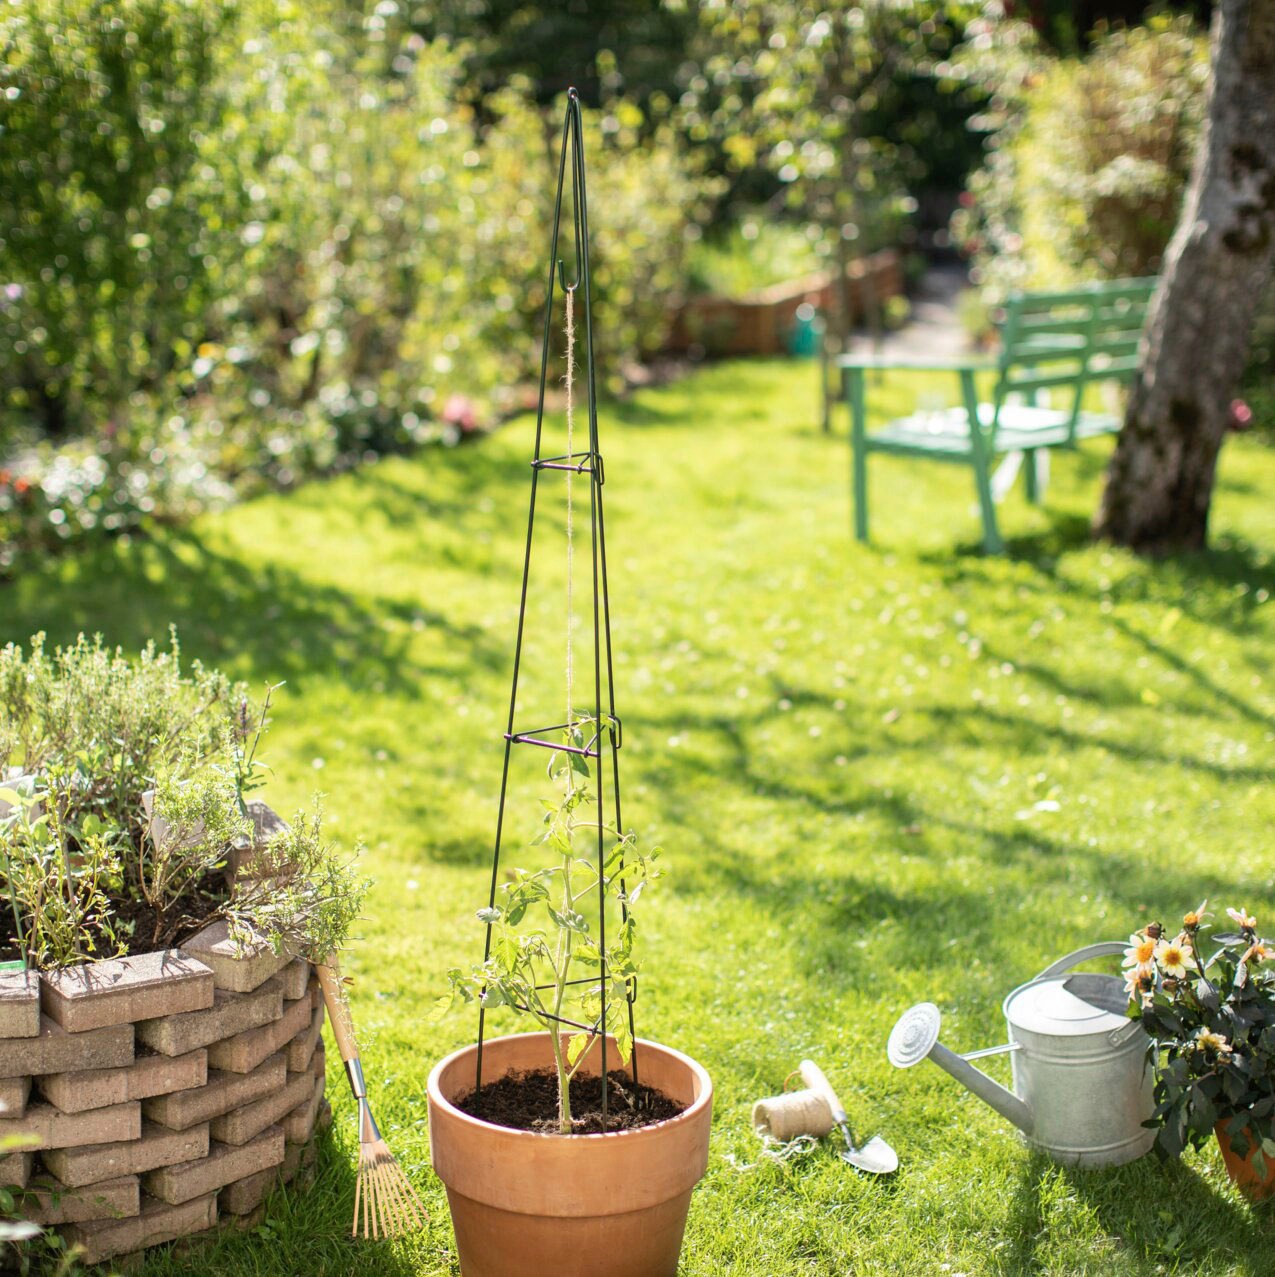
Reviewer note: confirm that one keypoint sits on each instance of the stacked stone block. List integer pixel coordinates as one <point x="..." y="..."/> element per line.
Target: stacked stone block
<point x="161" y="1093"/>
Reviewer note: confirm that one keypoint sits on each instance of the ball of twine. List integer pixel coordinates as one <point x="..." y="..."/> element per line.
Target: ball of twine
<point x="795" y="1113"/>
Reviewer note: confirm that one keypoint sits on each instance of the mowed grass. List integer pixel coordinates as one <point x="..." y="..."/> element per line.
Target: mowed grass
<point x="880" y="775"/>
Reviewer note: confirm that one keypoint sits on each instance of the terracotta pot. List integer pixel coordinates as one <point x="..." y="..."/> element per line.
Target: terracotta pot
<point x="609" y="1205"/>
<point x="1241" y="1169"/>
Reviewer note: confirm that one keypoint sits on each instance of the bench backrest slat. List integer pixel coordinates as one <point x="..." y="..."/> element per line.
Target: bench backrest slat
<point x="1070" y="339"/>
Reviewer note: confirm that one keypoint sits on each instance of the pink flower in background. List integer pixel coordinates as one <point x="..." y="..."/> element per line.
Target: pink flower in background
<point x="1241" y="415"/>
<point x="459" y="411"/>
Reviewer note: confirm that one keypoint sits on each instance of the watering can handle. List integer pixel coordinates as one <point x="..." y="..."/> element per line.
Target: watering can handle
<point x="1103" y="949"/>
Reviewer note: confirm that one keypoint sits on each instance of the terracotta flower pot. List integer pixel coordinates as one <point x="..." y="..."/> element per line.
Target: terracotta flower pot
<point x="609" y="1205"/>
<point x="1241" y="1169"/>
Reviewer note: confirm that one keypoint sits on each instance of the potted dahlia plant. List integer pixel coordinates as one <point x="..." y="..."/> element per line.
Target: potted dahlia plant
<point x="1211" y="1028"/>
<point x="539" y="1179"/>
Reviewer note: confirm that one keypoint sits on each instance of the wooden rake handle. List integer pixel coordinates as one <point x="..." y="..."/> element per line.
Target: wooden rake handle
<point x="330" y="981"/>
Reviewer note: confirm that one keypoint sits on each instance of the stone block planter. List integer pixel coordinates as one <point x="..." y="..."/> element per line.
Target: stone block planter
<point x="169" y="1092"/>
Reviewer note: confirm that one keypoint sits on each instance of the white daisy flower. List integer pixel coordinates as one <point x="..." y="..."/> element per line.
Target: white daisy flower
<point x="1140" y="952"/>
<point x="1173" y="955"/>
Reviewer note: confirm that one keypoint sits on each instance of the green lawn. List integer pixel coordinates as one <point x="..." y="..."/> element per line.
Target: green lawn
<point x="844" y="752"/>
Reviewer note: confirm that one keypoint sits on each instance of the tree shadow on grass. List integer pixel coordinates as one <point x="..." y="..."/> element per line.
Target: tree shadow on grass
<point x="262" y="615"/>
<point x="1165" y="1217"/>
<point x="855" y="888"/>
<point x="1019" y="728"/>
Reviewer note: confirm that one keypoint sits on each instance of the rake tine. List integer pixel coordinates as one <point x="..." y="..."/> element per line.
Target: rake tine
<point x="418" y="1206"/>
<point x="358" y="1192"/>
<point x="385" y="1217"/>
<point x="393" y="1200"/>
<point x="410" y="1201"/>
<point x="397" y="1196"/>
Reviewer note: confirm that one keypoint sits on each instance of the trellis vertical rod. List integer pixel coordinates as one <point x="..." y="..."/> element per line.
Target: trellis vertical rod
<point x="580" y="204"/>
<point x="526" y="573"/>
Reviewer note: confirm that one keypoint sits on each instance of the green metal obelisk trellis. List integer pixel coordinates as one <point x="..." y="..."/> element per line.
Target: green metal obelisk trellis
<point x="603" y="724"/>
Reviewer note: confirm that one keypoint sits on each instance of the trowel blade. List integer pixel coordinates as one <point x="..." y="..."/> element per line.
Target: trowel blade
<point x="876" y="1157"/>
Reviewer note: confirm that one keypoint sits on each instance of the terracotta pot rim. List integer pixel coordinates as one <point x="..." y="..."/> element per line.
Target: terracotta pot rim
<point x="688" y="1114"/>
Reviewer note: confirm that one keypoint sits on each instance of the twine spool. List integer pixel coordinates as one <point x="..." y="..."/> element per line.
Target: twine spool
<point x="795" y="1113"/>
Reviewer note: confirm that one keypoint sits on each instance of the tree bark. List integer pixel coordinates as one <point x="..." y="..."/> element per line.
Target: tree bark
<point x="1160" y="480"/>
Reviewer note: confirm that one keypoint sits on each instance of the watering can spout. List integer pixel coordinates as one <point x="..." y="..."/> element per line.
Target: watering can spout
<point x="916" y="1037"/>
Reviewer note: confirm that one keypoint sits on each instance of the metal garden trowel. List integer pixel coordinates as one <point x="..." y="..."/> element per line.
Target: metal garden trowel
<point x="876" y="1157"/>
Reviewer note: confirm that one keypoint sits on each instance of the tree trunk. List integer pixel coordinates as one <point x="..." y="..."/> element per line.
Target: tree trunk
<point x="1160" y="479"/>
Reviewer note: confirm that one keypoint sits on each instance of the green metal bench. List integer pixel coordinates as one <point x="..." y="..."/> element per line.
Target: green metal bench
<point x="1061" y="342"/>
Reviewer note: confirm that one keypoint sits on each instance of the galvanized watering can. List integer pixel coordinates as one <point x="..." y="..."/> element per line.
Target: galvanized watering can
<point x="1081" y="1085"/>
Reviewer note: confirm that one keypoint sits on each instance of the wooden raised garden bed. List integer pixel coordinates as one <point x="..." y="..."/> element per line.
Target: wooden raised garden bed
<point x="168" y="1091"/>
<point x="762" y="323"/>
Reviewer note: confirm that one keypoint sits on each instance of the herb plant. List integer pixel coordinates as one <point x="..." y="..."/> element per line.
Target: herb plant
<point x="194" y="821"/>
<point x="59" y="864"/>
<point x="248" y="731"/>
<point x="298" y="890"/>
<point x="122" y="788"/>
<point x="1212" y="1029"/>
<point x="545" y="958"/>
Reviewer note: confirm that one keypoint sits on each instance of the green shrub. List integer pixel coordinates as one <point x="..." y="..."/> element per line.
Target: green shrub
<point x="117" y="209"/>
<point x="120" y="802"/>
<point x="298" y="891"/>
<point x="753" y="254"/>
<point x="1088" y="159"/>
<point x="286" y="244"/>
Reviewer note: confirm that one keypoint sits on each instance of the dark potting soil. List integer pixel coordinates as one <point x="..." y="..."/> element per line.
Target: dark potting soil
<point x="134" y="922"/>
<point x="529" y="1102"/>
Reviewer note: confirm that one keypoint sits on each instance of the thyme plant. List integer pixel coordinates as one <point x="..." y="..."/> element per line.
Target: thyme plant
<point x="543" y="937"/>
<point x="194" y="821"/>
<point x="298" y="890"/>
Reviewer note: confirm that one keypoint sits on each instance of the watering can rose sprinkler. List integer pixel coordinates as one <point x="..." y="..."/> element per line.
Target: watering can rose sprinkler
<point x="1082" y="1088"/>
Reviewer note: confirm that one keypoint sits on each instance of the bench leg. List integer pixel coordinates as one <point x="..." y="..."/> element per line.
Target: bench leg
<point x="981" y="458"/>
<point x="1031" y="477"/>
<point x="858" y="451"/>
<point x="992" y="543"/>
<point x="827" y="393"/>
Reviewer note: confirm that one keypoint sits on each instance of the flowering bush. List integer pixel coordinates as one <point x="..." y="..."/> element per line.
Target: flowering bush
<point x="1212" y="1029"/>
<point x="51" y="497"/>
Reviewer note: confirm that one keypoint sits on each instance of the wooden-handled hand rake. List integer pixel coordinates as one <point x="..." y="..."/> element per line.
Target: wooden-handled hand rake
<point x="389" y="1203"/>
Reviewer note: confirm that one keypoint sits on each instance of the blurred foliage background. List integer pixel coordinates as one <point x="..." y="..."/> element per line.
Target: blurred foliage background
<point x="245" y="242"/>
